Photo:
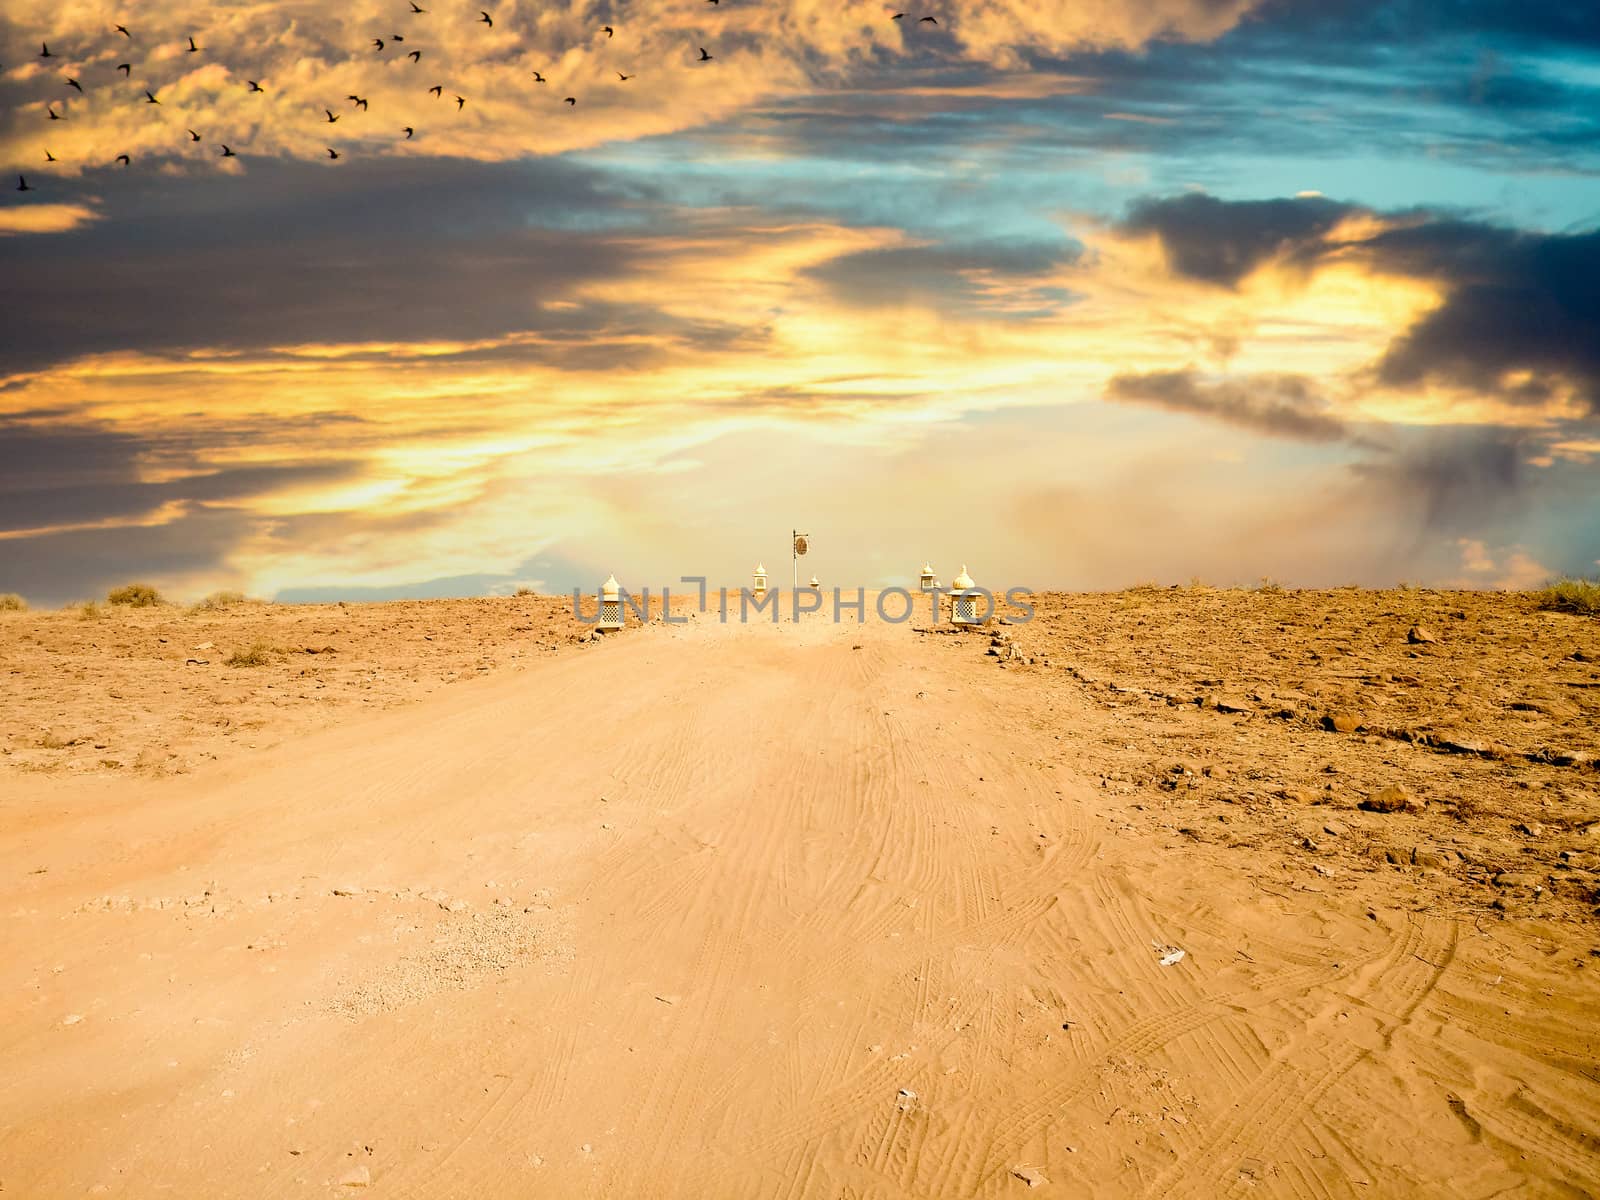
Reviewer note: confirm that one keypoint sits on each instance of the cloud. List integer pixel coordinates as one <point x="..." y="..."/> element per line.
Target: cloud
<point x="1285" y="406"/>
<point x="1222" y="241"/>
<point x="45" y="218"/>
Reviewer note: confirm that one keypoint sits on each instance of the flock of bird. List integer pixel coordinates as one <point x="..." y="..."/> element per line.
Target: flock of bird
<point x="379" y="45"/>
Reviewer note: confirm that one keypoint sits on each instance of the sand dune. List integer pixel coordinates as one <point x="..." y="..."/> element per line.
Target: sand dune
<point x="815" y="911"/>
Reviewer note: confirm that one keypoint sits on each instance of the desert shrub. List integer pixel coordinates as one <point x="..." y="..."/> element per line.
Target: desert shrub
<point x="257" y="654"/>
<point x="1270" y="585"/>
<point x="221" y="601"/>
<point x="11" y="602"/>
<point x="88" y="610"/>
<point x="525" y="591"/>
<point x="134" y="595"/>
<point x="1571" y="595"/>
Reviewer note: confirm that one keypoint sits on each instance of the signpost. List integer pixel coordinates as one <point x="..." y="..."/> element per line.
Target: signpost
<point x="801" y="545"/>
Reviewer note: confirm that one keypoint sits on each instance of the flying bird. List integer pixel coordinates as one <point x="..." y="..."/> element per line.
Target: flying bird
<point x="125" y="68"/>
<point x="123" y="30"/>
<point x="485" y="19"/>
<point x="44" y="50"/>
<point x="713" y="1"/>
<point x="228" y="153"/>
<point x="610" y="32"/>
<point x="623" y="77"/>
<point x="193" y="136"/>
<point x="125" y="160"/>
<point x="71" y="82"/>
<point x="331" y="117"/>
<point x="193" y="49"/>
<point x="897" y="16"/>
<point x="409" y="132"/>
<point x="150" y="98"/>
<point x="48" y="157"/>
<point x="927" y="20"/>
<point x="378" y="42"/>
<point x="395" y="37"/>
<point x="437" y="90"/>
<point x="54" y="115"/>
<point x="254" y="86"/>
<point x="415" y="9"/>
<point x="460" y="103"/>
<point x="22" y="184"/>
<point x="704" y="57"/>
<point x="571" y="100"/>
<point x="359" y="102"/>
<point x="538" y="78"/>
<point x="332" y="153"/>
<point x="415" y="56"/>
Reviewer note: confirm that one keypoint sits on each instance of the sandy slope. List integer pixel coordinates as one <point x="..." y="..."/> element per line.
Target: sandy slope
<point x="810" y="911"/>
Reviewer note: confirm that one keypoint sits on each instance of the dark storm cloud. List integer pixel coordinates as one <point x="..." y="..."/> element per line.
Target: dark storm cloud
<point x="66" y="475"/>
<point x="1285" y="406"/>
<point x="1222" y="241"/>
<point x="81" y="564"/>
<point x="286" y="254"/>
<point x="1456" y="480"/>
<point x="948" y="277"/>
<point x="1516" y="303"/>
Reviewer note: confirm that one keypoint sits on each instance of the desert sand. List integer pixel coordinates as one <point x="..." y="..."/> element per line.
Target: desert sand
<point x="472" y="905"/>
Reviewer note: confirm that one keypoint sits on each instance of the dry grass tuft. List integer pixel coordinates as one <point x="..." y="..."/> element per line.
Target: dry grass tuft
<point x="257" y="654"/>
<point x="221" y="601"/>
<point x="1580" y="596"/>
<point x="11" y="602"/>
<point x="134" y="595"/>
<point x="88" y="610"/>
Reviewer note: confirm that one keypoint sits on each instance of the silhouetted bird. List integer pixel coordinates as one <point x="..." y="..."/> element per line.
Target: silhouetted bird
<point x="150" y="98"/>
<point x="22" y="184"/>
<point x="571" y="100"/>
<point x="538" y="78"/>
<point x="704" y="57"/>
<point x="623" y="77"/>
<point x="927" y="20"/>
<point x="332" y="153"/>
<point x="125" y="68"/>
<point x="897" y="16"/>
<point x="193" y="136"/>
<point x="486" y="19"/>
<point x="359" y="102"/>
<point x="254" y="86"/>
<point x="460" y="103"/>
<point x="227" y="153"/>
<point x="125" y="160"/>
<point x="415" y="56"/>
<point x="331" y="117"/>
<point x="409" y="132"/>
<point x="610" y="32"/>
<point x="395" y="37"/>
<point x="712" y="1"/>
<point x="73" y="83"/>
<point x="378" y="42"/>
<point x="123" y="30"/>
<point x="54" y="115"/>
<point x="193" y="49"/>
<point x="44" y="50"/>
<point x="437" y="89"/>
<point x="415" y="9"/>
<point x="48" y="157"/>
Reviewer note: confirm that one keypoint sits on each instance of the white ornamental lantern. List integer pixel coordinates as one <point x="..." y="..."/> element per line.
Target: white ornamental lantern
<point x="760" y="588"/>
<point x="610" y="605"/>
<point x="814" y="582"/>
<point x="928" y="583"/>
<point x="964" y="599"/>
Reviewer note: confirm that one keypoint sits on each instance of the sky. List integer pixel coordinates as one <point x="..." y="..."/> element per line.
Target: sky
<point x="1078" y="295"/>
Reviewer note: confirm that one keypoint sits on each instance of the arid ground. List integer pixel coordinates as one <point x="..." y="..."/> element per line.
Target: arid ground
<point x="447" y="899"/>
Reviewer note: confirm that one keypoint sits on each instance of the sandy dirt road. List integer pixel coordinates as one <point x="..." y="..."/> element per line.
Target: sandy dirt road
<point x="726" y="911"/>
